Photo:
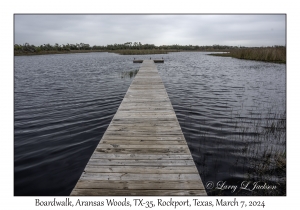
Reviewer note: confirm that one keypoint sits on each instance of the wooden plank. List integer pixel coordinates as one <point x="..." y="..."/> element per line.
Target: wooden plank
<point x="166" y="116"/>
<point x="136" y="162"/>
<point x="143" y="151"/>
<point x="137" y="129"/>
<point x="113" y="135"/>
<point x="141" y="146"/>
<point x="138" y="184"/>
<point x="137" y="192"/>
<point x="145" y="109"/>
<point x="138" y="176"/>
<point x="149" y="104"/>
<point x="157" y="138"/>
<point x="134" y="115"/>
<point x="142" y="122"/>
<point x="142" y="170"/>
<point x="141" y="133"/>
<point x="144" y="127"/>
<point x="142" y="156"/>
<point x="138" y="113"/>
<point x="142" y="142"/>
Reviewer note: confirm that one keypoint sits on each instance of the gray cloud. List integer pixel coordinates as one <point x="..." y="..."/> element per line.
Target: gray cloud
<point x="246" y="30"/>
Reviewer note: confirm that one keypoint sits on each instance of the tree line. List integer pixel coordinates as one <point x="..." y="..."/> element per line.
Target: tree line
<point x="28" y="48"/>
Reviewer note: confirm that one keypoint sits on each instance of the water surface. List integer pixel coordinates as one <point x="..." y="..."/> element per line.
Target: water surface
<point x="64" y="103"/>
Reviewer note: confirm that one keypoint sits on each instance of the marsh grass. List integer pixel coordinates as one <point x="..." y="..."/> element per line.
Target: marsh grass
<point x="268" y="164"/>
<point x="267" y="54"/>
<point x="269" y="168"/>
<point x="265" y="150"/>
<point x="259" y="154"/>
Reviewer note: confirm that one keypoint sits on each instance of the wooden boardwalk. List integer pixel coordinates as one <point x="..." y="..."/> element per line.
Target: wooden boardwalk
<point x="143" y="151"/>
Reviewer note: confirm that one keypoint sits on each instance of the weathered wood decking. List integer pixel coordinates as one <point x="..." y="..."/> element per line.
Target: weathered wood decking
<point x="143" y="151"/>
<point x="155" y="61"/>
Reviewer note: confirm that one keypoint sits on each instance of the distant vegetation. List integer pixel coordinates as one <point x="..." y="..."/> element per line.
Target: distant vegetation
<point x="27" y="49"/>
<point x="276" y="54"/>
<point x="270" y="54"/>
<point x="128" y="48"/>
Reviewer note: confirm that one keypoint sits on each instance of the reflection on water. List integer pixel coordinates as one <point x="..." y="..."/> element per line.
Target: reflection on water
<point x="232" y="113"/>
<point x="129" y="74"/>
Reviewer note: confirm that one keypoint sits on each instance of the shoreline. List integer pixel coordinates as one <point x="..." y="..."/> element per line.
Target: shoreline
<point x="57" y="52"/>
<point x="232" y="56"/>
<point x="148" y="52"/>
<point x="120" y="52"/>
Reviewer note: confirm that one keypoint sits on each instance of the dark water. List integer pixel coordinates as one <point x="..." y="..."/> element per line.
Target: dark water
<point x="64" y="103"/>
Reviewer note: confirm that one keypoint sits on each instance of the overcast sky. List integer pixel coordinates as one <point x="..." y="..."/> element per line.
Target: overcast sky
<point x="245" y="30"/>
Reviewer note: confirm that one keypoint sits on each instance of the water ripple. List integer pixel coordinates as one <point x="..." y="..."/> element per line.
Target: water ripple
<point x="64" y="103"/>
